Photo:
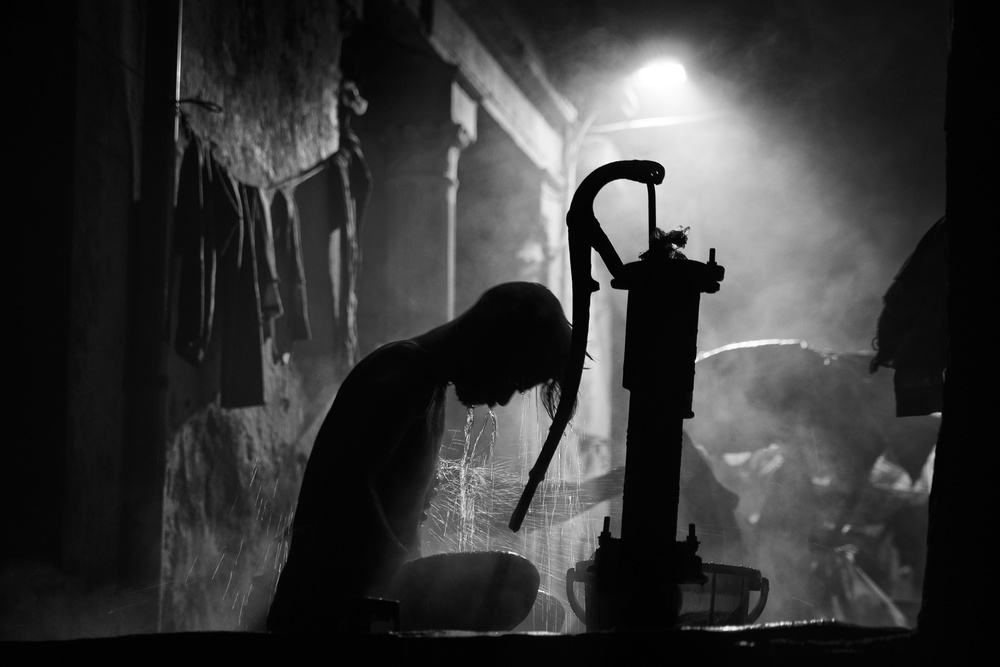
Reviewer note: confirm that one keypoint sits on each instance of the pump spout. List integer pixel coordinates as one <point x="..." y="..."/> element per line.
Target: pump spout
<point x="585" y="233"/>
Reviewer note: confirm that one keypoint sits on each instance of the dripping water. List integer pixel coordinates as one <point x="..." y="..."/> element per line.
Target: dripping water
<point x="473" y="487"/>
<point x="480" y="487"/>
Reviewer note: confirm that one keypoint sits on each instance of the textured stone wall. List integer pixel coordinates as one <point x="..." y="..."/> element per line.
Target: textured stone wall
<point x="232" y="475"/>
<point x="273" y="68"/>
<point x="232" y="481"/>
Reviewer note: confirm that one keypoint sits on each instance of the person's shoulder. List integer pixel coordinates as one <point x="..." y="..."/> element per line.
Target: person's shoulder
<point x="402" y="366"/>
<point x="403" y="354"/>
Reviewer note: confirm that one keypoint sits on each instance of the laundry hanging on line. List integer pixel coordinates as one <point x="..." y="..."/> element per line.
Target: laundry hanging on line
<point x="233" y="275"/>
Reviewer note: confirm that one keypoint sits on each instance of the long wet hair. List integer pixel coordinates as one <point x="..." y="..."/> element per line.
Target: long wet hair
<point x="522" y="326"/>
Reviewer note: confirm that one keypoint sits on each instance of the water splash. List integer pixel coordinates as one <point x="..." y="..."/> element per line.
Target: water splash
<point x="471" y="498"/>
<point x="478" y="489"/>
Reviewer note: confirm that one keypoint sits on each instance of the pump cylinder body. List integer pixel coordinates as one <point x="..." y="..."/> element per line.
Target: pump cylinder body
<point x="660" y="350"/>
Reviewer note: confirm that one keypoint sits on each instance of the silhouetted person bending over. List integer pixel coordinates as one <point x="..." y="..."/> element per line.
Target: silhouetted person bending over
<point x="373" y="465"/>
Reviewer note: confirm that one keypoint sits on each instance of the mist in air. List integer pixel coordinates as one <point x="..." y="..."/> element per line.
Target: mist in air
<point x="822" y="171"/>
<point x="816" y="170"/>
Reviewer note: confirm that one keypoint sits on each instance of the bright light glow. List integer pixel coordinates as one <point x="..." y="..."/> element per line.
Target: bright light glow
<point x="659" y="74"/>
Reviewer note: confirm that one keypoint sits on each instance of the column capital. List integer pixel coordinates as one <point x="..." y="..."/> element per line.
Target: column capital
<point x="423" y="149"/>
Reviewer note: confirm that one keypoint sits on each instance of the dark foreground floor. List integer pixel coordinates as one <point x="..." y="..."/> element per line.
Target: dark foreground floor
<point x="805" y="644"/>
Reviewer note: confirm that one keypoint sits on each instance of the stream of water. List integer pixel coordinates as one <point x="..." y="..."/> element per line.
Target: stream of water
<point x="479" y="489"/>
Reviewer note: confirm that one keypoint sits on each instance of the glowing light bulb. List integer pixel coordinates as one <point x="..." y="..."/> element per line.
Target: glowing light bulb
<point x="659" y="74"/>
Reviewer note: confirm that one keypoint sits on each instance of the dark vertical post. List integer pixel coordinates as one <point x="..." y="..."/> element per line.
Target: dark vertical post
<point x="39" y="208"/>
<point x="964" y="482"/>
<point x="145" y="380"/>
<point x="661" y="334"/>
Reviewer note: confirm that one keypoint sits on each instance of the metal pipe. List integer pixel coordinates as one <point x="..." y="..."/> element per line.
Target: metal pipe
<point x="585" y="233"/>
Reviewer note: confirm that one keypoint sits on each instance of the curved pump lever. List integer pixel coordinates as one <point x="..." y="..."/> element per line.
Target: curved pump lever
<point x="584" y="233"/>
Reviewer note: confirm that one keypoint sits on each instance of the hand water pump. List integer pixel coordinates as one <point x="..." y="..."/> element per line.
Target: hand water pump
<point x="637" y="575"/>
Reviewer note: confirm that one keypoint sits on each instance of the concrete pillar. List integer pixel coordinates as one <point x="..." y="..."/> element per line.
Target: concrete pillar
<point x="421" y="181"/>
<point x="418" y="122"/>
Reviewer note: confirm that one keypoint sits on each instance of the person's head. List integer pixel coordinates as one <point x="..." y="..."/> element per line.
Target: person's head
<point x="513" y="338"/>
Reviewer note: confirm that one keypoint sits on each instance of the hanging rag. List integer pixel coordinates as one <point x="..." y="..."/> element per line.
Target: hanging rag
<point x="242" y="371"/>
<point x="355" y="182"/>
<point x="194" y="243"/>
<point x="259" y="211"/>
<point x="345" y="183"/>
<point x="240" y="256"/>
<point x="293" y="325"/>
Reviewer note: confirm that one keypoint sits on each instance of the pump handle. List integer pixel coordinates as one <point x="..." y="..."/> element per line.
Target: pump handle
<point x="585" y="233"/>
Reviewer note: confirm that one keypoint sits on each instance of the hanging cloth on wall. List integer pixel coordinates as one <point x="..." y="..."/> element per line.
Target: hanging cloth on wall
<point x="258" y="207"/>
<point x="242" y="275"/>
<point x="194" y="243"/>
<point x="350" y="184"/>
<point x="242" y="371"/>
<point x="293" y="325"/>
<point x="217" y="231"/>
